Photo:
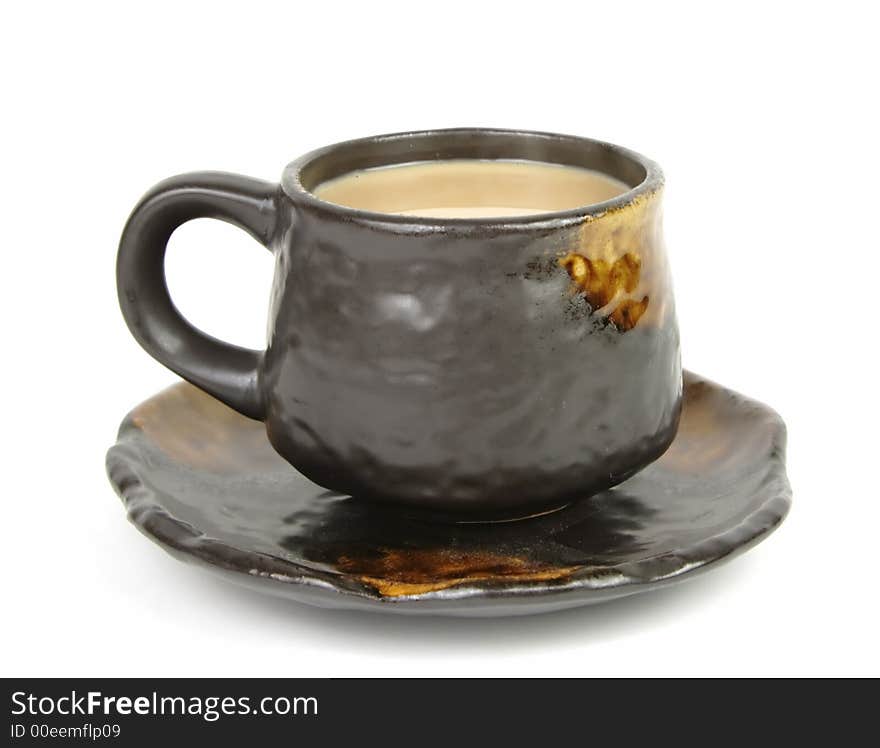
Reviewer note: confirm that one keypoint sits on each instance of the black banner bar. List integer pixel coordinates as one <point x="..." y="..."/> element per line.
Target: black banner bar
<point x="411" y="712"/>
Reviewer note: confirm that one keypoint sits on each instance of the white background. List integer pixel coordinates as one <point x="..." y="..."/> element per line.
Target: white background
<point x="764" y="120"/>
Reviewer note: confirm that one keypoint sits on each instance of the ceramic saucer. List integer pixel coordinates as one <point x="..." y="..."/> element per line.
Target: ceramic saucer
<point x="204" y="483"/>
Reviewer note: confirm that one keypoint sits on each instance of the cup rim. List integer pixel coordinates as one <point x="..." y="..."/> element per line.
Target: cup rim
<point x="293" y="187"/>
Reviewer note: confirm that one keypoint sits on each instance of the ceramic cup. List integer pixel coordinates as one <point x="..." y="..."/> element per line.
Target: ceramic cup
<point x="482" y="368"/>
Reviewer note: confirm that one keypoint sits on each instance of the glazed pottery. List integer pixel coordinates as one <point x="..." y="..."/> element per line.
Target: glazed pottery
<point x="478" y="367"/>
<point x="204" y="483"/>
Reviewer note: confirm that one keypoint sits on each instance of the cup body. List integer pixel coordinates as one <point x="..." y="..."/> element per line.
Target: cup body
<point x="487" y="368"/>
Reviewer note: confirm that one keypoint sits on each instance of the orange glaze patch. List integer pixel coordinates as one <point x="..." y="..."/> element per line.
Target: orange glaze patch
<point x="398" y="572"/>
<point x="601" y="281"/>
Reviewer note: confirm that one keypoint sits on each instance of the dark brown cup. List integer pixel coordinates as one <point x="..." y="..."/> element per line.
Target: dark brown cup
<point x="536" y="360"/>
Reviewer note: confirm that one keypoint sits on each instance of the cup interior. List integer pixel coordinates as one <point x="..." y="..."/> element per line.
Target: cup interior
<point x="464" y="188"/>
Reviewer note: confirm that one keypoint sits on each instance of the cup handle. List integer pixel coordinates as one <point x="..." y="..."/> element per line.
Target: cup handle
<point x="228" y="372"/>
